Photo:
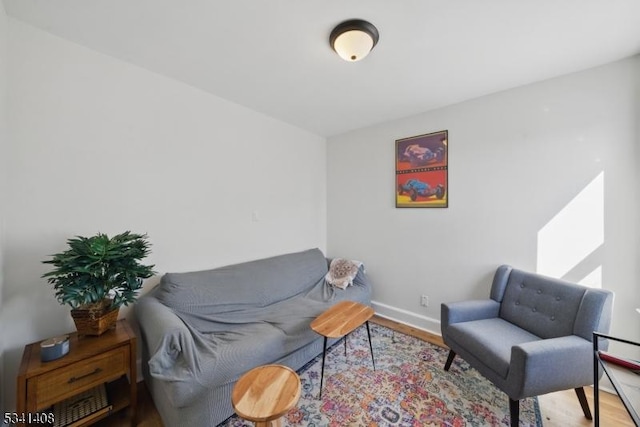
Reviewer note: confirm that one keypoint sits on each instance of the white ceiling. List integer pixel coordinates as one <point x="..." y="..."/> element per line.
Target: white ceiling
<point x="273" y="56"/>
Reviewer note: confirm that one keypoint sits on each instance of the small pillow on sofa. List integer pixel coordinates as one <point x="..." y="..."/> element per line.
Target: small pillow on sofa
<point x="342" y="272"/>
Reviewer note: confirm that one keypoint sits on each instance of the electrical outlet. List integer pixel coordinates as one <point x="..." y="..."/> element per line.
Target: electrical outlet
<point x="424" y="301"/>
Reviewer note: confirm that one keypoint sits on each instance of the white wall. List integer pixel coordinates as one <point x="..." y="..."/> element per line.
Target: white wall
<point x="3" y="144"/>
<point x="101" y="145"/>
<point x="518" y="159"/>
<point x="95" y="144"/>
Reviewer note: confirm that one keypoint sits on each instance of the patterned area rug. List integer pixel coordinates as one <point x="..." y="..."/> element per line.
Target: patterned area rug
<point x="408" y="388"/>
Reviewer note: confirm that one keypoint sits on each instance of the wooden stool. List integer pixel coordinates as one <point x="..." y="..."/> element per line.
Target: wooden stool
<point x="264" y="394"/>
<point x="340" y="320"/>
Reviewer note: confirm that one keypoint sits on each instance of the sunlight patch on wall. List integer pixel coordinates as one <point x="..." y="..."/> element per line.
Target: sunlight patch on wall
<point x="593" y="279"/>
<point x="573" y="234"/>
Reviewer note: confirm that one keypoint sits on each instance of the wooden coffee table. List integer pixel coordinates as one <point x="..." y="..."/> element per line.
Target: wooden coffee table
<point x="264" y="394"/>
<point x="340" y="320"/>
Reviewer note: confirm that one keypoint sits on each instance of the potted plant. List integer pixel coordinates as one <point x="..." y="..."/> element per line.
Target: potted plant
<point x="98" y="274"/>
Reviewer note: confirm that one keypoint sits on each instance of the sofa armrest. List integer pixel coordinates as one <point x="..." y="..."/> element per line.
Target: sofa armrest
<point x="156" y="320"/>
<point x="465" y="311"/>
<point x="550" y="365"/>
<point x="173" y="350"/>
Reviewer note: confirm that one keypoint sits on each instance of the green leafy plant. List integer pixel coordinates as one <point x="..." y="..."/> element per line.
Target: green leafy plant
<point x="98" y="268"/>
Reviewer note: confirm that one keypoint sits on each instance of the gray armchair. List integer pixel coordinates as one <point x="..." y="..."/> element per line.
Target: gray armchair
<point x="532" y="337"/>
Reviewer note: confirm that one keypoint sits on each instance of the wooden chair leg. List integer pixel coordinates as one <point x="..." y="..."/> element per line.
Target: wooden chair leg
<point x="583" y="402"/>
<point x="447" y="365"/>
<point x="514" y="410"/>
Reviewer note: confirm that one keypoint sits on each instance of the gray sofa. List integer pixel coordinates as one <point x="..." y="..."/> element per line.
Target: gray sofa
<point x="532" y="336"/>
<point x="202" y="330"/>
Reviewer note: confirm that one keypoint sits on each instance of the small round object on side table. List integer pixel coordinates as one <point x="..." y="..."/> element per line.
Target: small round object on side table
<point x="54" y="348"/>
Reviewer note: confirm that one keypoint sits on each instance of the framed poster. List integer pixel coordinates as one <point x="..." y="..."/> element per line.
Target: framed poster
<point x="422" y="171"/>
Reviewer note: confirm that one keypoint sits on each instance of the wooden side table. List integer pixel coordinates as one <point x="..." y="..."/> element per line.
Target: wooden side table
<point x="340" y="320"/>
<point x="264" y="394"/>
<point x="109" y="358"/>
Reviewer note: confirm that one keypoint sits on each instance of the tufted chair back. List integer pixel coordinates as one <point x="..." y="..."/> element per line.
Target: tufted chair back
<point x="547" y="307"/>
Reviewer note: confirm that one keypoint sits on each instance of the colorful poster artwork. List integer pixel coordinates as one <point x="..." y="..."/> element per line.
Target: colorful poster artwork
<point x="422" y="171"/>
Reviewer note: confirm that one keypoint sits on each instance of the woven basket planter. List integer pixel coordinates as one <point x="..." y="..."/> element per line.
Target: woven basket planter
<point x="95" y="320"/>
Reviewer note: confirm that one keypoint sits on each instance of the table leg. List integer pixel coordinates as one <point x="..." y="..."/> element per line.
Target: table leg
<point x="324" y="353"/>
<point x="370" y="346"/>
<point x="345" y="345"/>
<point x="596" y="378"/>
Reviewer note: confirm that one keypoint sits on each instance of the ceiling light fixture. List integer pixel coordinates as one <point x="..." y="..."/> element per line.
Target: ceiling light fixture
<point x="354" y="39"/>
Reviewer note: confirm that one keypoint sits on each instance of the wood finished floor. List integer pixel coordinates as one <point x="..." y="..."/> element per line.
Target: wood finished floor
<point x="559" y="409"/>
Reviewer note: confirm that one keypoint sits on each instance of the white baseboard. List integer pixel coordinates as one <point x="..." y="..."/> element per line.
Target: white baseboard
<point x="407" y="317"/>
<point x="605" y="385"/>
